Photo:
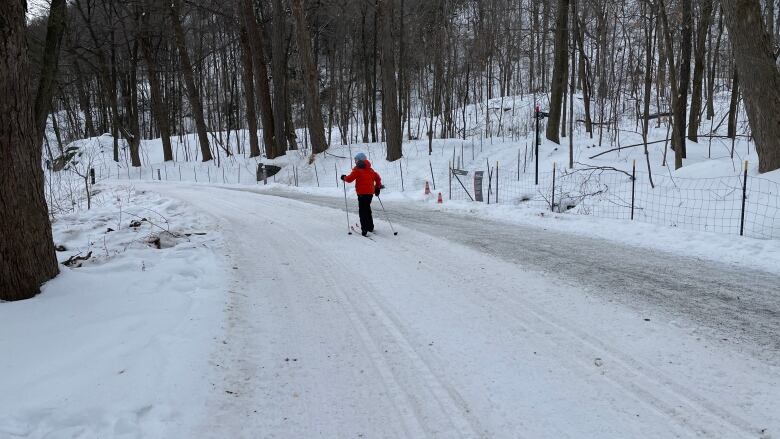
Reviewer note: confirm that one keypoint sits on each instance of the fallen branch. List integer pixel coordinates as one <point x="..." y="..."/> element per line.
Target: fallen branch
<point x="626" y="147"/>
<point x="74" y="261"/>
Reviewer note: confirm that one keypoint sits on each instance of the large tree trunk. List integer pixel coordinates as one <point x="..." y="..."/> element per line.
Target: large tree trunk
<point x="189" y="81"/>
<point x="54" y="31"/>
<point x="390" y="117"/>
<point x="733" y="104"/>
<point x="279" y="69"/>
<point x="27" y="257"/>
<point x="159" y="109"/>
<point x="679" y="89"/>
<point x="89" y="125"/>
<point x="311" y="80"/>
<point x="260" y="71"/>
<point x="560" y="71"/>
<point x="698" y="69"/>
<point x="249" y="93"/>
<point x="761" y="87"/>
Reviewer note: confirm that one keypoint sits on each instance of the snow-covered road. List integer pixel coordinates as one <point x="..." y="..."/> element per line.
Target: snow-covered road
<point x="457" y="328"/>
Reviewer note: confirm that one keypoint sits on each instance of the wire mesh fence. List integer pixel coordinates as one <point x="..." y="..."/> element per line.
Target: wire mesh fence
<point x="699" y="204"/>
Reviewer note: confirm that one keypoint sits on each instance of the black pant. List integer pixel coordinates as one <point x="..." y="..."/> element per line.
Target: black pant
<point x="364" y="209"/>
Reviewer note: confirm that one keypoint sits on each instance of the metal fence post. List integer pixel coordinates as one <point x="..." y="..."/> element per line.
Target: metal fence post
<point x="449" y="175"/>
<point x="633" y="188"/>
<point x="552" y="202"/>
<point x="744" y="199"/>
<point x="400" y="166"/>
<point x="433" y="179"/>
<point x="496" y="182"/>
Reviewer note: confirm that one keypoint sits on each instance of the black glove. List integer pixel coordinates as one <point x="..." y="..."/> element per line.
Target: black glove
<point x="376" y="191"/>
<point x="343" y="177"/>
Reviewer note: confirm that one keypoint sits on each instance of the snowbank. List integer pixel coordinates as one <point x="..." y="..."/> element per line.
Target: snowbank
<point x="119" y="346"/>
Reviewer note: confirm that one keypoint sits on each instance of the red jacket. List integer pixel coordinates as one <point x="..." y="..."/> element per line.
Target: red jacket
<point x="367" y="178"/>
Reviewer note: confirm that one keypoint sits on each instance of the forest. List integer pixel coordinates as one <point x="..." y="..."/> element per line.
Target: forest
<point x="301" y="75"/>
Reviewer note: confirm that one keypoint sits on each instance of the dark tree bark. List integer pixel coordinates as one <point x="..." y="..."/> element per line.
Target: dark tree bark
<point x="761" y="88"/>
<point x="159" y="108"/>
<point x="732" y="124"/>
<point x="390" y="117"/>
<point x="27" y="257"/>
<point x="698" y="69"/>
<point x="311" y="80"/>
<point x="55" y="28"/>
<point x="713" y="68"/>
<point x="279" y="69"/>
<point x="260" y="70"/>
<point x="560" y="71"/>
<point x="193" y="94"/>
<point x="249" y="93"/>
<point x="679" y="86"/>
<point x="89" y="125"/>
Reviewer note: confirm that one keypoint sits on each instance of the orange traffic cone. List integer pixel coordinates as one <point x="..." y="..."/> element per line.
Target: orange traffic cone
<point x="427" y="189"/>
<point x="439" y="200"/>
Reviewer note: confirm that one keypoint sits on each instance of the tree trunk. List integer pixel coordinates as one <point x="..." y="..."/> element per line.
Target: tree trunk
<point x="311" y="80"/>
<point x="698" y="69"/>
<point x="390" y="117"/>
<point x="279" y="69"/>
<point x="260" y="70"/>
<point x="761" y="88"/>
<point x="732" y="124"/>
<point x="560" y="71"/>
<point x="249" y="93"/>
<point x="27" y="257"/>
<point x="89" y="125"/>
<point x="189" y="80"/>
<point x="55" y="28"/>
<point x="159" y="109"/>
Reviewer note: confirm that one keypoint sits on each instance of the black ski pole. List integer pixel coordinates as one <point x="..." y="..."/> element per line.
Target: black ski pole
<point x="386" y="215"/>
<point x="346" y="208"/>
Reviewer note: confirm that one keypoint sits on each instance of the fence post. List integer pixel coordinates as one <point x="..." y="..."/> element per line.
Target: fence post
<point x="433" y="179"/>
<point x="744" y="199"/>
<point x="159" y="177"/>
<point x="336" y="169"/>
<point x="316" y="174"/>
<point x="449" y="175"/>
<point x="633" y="188"/>
<point x="536" y="143"/>
<point x="92" y="175"/>
<point x="496" y="182"/>
<point x="400" y="166"/>
<point x="552" y="202"/>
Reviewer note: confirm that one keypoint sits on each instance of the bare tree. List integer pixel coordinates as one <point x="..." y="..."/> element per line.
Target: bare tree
<point x="27" y="257"/>
<point x="311" y="80"/>
<point x="560" y="71"/>
<point x="390" y="117"/>
<point x="192" y="91"/>
<point x="761" y="87"/>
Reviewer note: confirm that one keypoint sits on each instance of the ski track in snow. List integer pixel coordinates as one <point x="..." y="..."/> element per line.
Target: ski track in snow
<point x="739" y="304"/>
<point x="416" y="336"/>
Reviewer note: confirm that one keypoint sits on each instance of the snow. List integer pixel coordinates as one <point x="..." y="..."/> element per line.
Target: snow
<point x="416" y="336"/>
<point x="259" y="316"/>
<point x="114" y="348"/>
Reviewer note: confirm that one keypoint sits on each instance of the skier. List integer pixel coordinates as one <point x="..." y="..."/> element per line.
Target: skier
<point x="367" y="184"/>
